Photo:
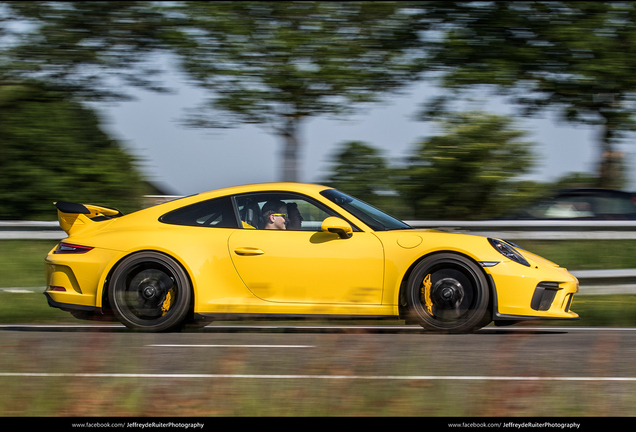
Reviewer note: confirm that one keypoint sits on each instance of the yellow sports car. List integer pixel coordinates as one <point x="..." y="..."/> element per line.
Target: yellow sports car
<point x="284" y="250"/>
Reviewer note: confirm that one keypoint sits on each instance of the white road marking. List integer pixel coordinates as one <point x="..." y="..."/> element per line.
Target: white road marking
<point x="573" y="328"/>
<point x="322" y="377"/>
<point x="228" y="346"/>
<point x="18" y="290"/>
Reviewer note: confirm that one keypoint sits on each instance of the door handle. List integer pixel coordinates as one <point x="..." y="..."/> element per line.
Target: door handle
<point x="248" y="251"/>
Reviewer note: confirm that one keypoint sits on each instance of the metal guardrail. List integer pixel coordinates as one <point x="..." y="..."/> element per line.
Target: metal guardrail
<point x="506" y="229"/>
<point x="592" y="281"/>
<point x="621" y="281"/>
<point x="31" y="230"/>
<point x="537" y="230"/>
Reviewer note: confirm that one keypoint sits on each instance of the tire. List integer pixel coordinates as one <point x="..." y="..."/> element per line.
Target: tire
<point x="150" y="292"/>
<point x="448" y="293"/>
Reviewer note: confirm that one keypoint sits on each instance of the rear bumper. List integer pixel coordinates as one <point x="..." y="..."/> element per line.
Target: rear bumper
<point x="68" y="307"/>
<point x="75" y="281"/>
<point x="83" y="312"/>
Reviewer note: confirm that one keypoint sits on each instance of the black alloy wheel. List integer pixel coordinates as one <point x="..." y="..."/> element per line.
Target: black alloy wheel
<point x="448" y="293"/>
<point x="150" y="292"/>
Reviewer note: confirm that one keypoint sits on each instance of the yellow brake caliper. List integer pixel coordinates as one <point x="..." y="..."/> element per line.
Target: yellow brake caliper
<point x="165" y="307"/>
<point x="426" y="294"/>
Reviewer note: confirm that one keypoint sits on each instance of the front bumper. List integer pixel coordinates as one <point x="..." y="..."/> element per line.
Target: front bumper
<point x="529" y="293"/>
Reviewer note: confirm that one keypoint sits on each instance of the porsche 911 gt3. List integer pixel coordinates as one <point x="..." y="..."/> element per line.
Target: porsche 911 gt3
<point x="212" y="256"/>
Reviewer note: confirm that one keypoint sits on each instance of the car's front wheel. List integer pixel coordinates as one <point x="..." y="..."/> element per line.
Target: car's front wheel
<point x="150" y="292"/>
<point x="448" y="293"/>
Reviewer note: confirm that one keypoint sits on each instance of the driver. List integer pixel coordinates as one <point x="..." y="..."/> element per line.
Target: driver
<point x="274" y="215"/>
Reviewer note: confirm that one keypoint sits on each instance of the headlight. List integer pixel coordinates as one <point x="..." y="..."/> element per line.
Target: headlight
<point x="508" y="251"/>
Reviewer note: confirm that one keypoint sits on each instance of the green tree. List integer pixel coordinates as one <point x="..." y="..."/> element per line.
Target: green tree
<point x="469" y="171"/>
<point x="571" y="56"/>
<point x="92" y="50"/>
<point x="277" y="64"/>
<point x="53" y="56"/>
<point x="360" y="170"/>
<point x="53" y="150"/>
<point x="274" y="64"/>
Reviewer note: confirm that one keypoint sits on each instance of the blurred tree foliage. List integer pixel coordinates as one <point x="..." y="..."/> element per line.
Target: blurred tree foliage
<point x="54" y="56"/>
<point x="93" y="50"/>
<point x="469" y="171"/>
<point x="362" y="171"/>
<point x="276" y="64"/>
<point x="53" y="150"/>
<point x="572" y="56"/>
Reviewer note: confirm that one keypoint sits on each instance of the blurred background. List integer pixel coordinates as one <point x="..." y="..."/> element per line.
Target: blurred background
<point x="430" y="110"/>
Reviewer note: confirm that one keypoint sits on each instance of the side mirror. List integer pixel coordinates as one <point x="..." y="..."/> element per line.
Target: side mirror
<point x="337" y="226"/>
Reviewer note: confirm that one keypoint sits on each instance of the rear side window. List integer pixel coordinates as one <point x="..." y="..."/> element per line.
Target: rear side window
<point x="218" y="213"/>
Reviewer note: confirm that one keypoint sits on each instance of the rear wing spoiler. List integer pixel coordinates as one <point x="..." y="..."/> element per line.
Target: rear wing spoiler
<point x="74" y="217"/>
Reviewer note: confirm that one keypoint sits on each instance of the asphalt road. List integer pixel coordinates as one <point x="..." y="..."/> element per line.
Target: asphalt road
<point x="541" y="352"/>
<point x="511" y="362"/>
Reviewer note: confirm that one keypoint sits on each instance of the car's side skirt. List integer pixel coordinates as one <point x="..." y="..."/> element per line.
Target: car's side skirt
<point x="284" y="317"/>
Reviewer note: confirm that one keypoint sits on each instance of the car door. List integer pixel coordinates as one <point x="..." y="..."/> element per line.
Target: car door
<point x="306" y="265"/>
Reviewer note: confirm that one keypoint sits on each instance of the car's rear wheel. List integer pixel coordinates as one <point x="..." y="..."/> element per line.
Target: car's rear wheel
<point x="448" y="293"/>
<point x="150" y="292"/>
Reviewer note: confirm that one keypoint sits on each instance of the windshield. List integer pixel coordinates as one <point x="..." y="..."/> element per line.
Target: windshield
<point x="374" y="218"/>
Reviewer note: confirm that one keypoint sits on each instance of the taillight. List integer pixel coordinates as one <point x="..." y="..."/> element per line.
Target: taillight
<point x="67" y="248"/>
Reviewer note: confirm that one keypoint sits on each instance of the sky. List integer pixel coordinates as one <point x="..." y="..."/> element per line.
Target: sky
<point x="185" y="161"/>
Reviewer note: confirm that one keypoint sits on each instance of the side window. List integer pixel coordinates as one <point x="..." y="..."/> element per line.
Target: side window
<point x="218" y="213"/>
<point x="301" y="213"/>
<point x="570" y="207"/>
<point x="613" y="206"/>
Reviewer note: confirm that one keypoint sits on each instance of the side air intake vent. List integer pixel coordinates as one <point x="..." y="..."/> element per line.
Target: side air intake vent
<point x="544" y="295"/>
